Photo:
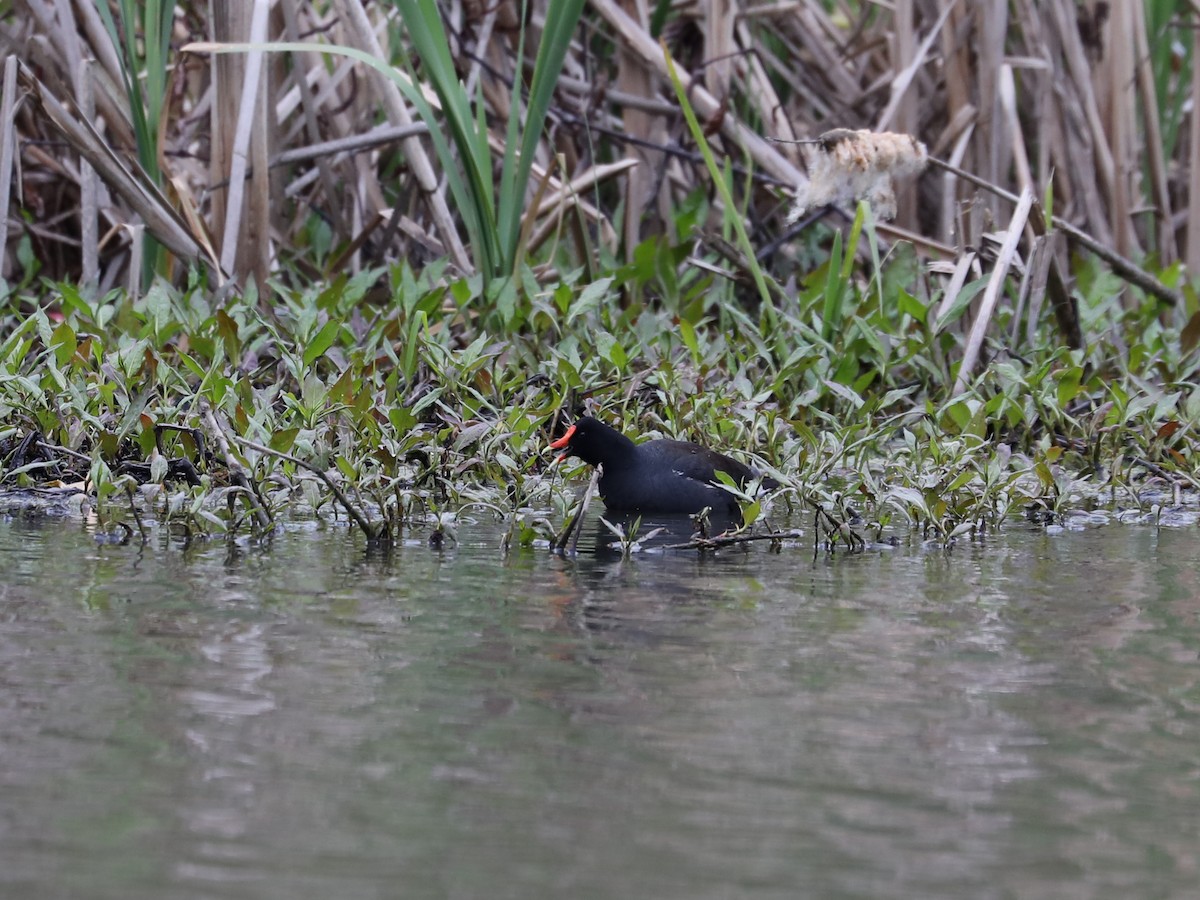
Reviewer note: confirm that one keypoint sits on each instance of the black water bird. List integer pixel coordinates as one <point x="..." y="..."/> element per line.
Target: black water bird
<point x="661" y="476"/>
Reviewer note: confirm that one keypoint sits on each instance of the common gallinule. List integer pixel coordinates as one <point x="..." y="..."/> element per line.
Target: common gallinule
<point x="660" y="476"/>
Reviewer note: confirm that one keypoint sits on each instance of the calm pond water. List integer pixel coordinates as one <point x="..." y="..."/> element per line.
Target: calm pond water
<point x="303" y="720"/>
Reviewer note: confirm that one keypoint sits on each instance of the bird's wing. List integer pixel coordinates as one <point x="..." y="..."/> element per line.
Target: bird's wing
<point x="700" y="464"/>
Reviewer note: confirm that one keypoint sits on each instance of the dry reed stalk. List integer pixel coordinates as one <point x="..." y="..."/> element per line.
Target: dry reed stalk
<point x="765" y="97"/>
<point x="1018" y="92"/>
<point x="1152" y="146"/>
<point x="717" y="22"/>
<point x="145" y="199"/>
<point x="635" y="79"/>
<point x="247" y="253"/>
<point x="1091" y="147"/>
<point x="584" y="181"/>
<point x="992" y="148"/>
<point x="88" y="186"/>
<point x="811" y="28"/>
<point x="311" y="64"/>
<point x="707" y="106"/>
<point x="1034" y="286"/>
<point x="59" y="23"/>
<point x="483" y="42"/>
<point x="397" y="112"/>
<point x="967" y="264"/>
<point x="1123" y="267"/>
<point x="1193" y="233"/>
<point x="556" y="205"/>
<point x="991" y="294"/>
<point x="1119" y="115"/>
<point x="1007" y="93"/>
<point x="8" y="142"/>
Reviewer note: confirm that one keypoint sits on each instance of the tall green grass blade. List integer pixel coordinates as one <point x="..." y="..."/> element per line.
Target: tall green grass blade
<point x="513" y="147"/>
<point x="868" y="218"/>
<point x="1172" y="70"/>
<point x="562" y="17"/>
<point x="658" y="18"/>
<point x="150" y="65"/>
<point x="157" y="24"/>
<point x="714" y="173"/>
<point x="428" y="35"/>
<point x="835" y="281"/>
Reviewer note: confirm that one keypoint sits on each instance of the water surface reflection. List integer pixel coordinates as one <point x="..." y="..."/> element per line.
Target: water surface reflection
<point x="305" y="720"/>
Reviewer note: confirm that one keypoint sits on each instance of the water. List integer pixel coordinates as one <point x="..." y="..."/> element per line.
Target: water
<point x="308" y="721"/>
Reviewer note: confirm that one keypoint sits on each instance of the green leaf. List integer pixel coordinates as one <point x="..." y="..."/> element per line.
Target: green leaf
<point x="1190" y="335"/>
<point x="687" y="331"/>
<point x="1068" y="385"/>
<point x="322" y="341"/>
<point x="346" y="467"/>
<point x="831" y="312"/>
<point x="610" y="349"/>
<point x="845" y="393"/>
<point x="227" y="329"/>
<point x="158" y="306"/>
<point x="961" y="480"/>
<point x="911" y="306"/>
<point x="64" y="343"/>
<point x="658" y="18"/>
<point x="410" y="355"/>
<point x="589" y="298"/>
<point x="506" y="300"/>
<point x="284" y="441"/>
<point x="7" y="349"/>
<point x="158" y="468"/>
<point x="192" y="366"/>
<point x="402" y="419"/>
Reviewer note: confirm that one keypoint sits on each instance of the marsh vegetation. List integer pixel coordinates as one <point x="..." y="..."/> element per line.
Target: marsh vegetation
<point x="253" y="281"/>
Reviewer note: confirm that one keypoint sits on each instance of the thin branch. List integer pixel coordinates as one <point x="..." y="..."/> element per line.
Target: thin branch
<point x="372" y="530"/>
<point x="570" y="534"/>
<point x="729" y="540"/>
<point x="236" y="470"/>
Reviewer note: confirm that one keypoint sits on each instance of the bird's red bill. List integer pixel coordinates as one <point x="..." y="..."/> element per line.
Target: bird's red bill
<point x="561" y="443"/>
<point x="564" y="440"/>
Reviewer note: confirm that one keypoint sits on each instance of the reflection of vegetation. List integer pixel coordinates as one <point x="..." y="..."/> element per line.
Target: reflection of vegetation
<point x="623" y="250"/>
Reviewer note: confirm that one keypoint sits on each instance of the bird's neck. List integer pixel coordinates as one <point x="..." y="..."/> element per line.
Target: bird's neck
<point x="610" y="446"/>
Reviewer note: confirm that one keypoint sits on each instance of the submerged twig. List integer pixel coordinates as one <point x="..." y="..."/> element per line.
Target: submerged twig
<point x="823" y="518"/>
<point x="373" y="531"/>
<point x="261" y="517"/>
<point x="728" y="540"/>
<point x="571" y="532"/>
<point x="137" y="516"/>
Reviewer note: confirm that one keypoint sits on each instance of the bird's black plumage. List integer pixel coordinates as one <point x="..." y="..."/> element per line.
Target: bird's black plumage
<point x="661" y="476"/>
